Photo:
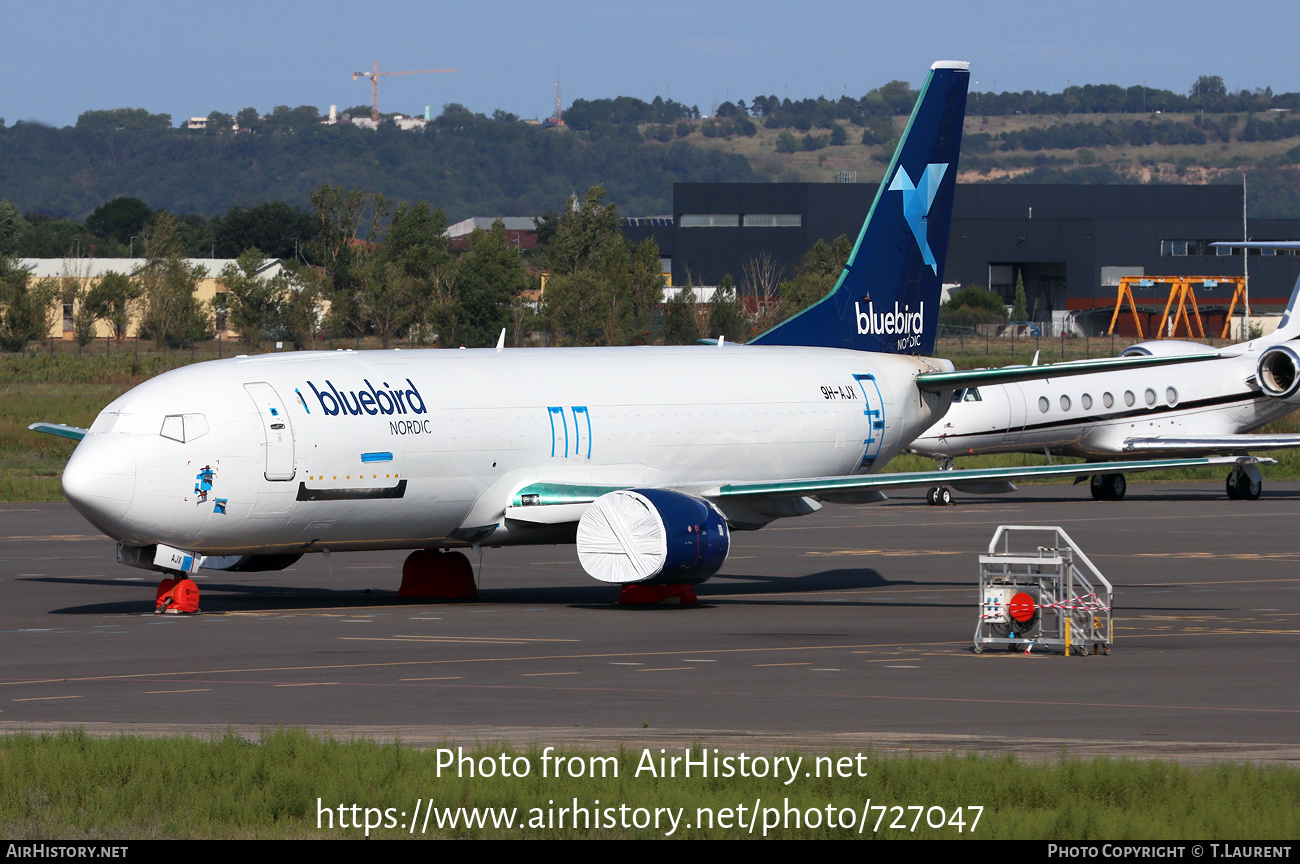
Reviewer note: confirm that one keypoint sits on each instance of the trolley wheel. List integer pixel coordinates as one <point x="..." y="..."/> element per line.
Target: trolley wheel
<point x="979" y="649"/>
<point x="1105" y="649"/>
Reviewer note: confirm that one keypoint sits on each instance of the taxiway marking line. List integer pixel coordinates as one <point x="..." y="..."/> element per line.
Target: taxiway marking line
<point x="400" y="663"/>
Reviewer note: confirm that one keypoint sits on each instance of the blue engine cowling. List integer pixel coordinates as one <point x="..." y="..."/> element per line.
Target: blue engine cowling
<point x="652" y="537"/>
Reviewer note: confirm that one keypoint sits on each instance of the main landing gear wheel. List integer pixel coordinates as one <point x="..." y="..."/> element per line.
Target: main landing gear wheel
<point x="1242" y="487"/>
<point x="939" y="496"/>
<point x="1108" y="487"/>
<point x="440" y="575"/>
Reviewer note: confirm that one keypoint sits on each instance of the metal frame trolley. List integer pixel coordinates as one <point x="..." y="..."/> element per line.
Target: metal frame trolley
<point x="1047" y="595"/>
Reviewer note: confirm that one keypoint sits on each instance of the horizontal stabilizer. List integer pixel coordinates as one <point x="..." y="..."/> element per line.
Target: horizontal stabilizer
<point x="73" y="432"/>
<point x="938" y="382"/>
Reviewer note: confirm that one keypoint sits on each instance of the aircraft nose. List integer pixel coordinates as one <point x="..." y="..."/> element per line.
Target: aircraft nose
<point x="99" y="480"/>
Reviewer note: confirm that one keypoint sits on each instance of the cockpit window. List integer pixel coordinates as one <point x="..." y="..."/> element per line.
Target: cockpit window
<point x="184" y="427"/>
<point x="972" y="395"/>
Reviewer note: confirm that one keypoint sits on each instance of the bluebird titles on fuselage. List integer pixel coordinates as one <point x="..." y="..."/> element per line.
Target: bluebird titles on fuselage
<point x="369" y="400"/>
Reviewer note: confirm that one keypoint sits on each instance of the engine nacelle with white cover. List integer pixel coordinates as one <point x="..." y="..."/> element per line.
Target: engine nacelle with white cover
<point x="652" y="537"/>
<point x="1278" y="373"/>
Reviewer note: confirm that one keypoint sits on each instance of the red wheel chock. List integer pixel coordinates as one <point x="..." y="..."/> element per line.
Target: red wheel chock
<point x="176" y="596"/>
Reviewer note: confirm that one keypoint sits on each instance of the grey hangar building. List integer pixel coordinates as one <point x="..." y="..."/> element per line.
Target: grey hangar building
<point x="1070" y="244"/>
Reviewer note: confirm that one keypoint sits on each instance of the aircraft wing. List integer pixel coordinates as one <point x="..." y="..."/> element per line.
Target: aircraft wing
<point x="59" y="429"/>
<point x="914" y="479"/>
<point x="936" y="382"/>
<point x="1209" y="444"/>
<point x="556" y="503"/>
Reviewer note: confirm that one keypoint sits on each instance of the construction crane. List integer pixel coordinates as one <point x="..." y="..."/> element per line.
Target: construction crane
<point x="374" y="77"/>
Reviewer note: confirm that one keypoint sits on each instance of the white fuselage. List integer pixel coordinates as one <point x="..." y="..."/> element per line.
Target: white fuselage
<point x="1093" y="415"/>
<point x="406" y="449"/>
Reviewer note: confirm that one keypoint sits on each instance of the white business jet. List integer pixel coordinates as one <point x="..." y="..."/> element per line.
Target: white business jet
<point x="1209" y="407"/>
<point x="646" y="457"/>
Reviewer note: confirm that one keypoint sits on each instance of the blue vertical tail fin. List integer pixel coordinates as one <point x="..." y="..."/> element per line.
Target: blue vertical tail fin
<point x="887" y="297"/>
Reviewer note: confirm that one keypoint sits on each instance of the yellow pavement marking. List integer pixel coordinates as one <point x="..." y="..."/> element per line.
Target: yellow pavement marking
<point x="540" y="674"/>
<point x="309" y="684"/>
<point x="669" y="669"/>
<point x="56" y="537"/>
<point x="455" y="640"/>
<point x="1227" y="556"/>
<point x="197" y="690"/>
<point x="889" y="553"/>
<point x="781" y="664"/>
<point x="44" y="698"/>
<point x="444" y="678"/>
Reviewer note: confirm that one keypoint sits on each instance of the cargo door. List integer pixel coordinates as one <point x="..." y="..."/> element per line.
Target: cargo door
<point x="873" y="407"/>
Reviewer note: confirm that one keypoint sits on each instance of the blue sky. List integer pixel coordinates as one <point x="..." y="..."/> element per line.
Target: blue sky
<point x="183" y="58"/>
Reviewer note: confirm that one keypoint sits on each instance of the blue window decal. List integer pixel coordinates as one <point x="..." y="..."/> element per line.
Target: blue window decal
<point x="219" y="507"/>
<point x="555" y="432"/>
<point x="376" y="457"/>
<point x="581" y="411"/>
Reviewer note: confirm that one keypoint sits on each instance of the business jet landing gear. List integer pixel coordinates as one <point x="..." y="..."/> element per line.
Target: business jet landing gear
<point x="1245" y="483"/>
<point x="939" y="496"/>
<point x="176" y="596"/>
<point x="442" y="575"/>
<point x="1108" y="487"/>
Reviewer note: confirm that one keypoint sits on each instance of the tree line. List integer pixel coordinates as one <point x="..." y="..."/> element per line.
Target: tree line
<point x="368" y="267"/>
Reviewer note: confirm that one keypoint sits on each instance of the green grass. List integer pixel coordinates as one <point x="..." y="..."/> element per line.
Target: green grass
<point x="73" y="787"/>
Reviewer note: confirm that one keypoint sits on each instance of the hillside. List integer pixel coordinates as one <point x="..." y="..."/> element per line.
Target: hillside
<point x="470" y="164"/>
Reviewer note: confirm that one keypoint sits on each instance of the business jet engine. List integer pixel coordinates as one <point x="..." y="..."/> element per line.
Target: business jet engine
<point x="652" y="537"/>
<point x="1278" y="373"/>
<point x="1167" y="348"/>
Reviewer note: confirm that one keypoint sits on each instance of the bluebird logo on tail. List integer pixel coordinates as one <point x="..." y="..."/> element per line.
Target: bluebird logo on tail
<point x="887" y="296"/>
<point x="918" y="198"/>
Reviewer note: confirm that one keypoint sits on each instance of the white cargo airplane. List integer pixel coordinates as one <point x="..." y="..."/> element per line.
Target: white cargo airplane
<point x="646" y="456"/>
<point x="1208" y="408"/>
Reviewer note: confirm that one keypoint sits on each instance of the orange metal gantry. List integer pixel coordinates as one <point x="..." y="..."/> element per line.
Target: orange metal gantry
<point x="1180" y="290"/>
